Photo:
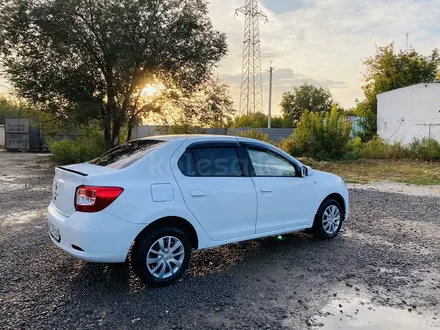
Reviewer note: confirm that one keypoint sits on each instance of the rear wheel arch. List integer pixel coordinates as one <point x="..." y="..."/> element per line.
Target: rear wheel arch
<point x="171" y="221"/>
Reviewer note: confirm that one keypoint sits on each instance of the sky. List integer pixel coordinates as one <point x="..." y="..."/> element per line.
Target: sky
<point x="322" y="42"/>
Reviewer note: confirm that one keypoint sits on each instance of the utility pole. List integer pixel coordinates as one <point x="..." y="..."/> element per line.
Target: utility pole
<point x="269" y="117"/>
<point x="407" y="43"/>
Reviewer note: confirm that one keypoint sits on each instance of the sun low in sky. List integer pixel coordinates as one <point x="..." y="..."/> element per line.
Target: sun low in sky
<point x="150" y="90"/>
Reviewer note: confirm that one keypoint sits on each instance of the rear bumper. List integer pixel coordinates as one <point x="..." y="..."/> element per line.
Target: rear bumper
<point x="105" y="257"/>
<point x="103" y="237"/>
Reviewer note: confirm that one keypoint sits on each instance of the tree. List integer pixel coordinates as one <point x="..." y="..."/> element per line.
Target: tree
<point x="88" y="60"/>
<point x="280" y="122"/>
<point x="320" y="135"/>
<point x="49" y="125"/>
<point x="255" y="120"/>
<point x="305" y="97"/>
<point x="389" y="70"/>
<point x="10" y="108"/>
<point x="209" y="105"/>
<point x="259" y="120"/>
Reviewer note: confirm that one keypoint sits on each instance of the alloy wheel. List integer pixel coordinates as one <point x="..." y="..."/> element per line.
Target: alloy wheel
<point x="165" y="257"/>
<point x="331" y="219"/>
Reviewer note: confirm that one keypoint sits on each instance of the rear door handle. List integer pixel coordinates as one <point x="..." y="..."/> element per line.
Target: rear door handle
<point x="265" y="190"/>
<point x="197" y="193"/>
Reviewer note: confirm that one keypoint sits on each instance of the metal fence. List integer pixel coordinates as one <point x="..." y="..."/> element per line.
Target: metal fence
<point x="356" y="124"/>
<point x="275" y="134"/>
<point x="20" y="135"/>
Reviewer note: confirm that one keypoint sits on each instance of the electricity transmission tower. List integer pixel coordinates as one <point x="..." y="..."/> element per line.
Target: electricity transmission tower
<point x="251" y="94"/>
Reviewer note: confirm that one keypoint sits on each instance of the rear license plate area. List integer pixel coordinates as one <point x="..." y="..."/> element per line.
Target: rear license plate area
<point x="54" y="232"/>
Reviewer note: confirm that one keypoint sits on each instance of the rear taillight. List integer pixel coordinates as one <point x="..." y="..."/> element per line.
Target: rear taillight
<point x="95" y="199"/>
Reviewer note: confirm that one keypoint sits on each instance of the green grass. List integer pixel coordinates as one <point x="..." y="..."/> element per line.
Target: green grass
<point x="370" y="170"/>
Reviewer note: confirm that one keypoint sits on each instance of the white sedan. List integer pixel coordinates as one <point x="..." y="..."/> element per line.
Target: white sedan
<point x="158" y="198"/>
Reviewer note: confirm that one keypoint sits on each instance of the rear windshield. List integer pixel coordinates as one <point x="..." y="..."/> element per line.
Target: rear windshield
<point x="126" y="154"/>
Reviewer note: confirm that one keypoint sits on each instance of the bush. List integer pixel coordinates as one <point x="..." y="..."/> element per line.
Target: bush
<point x="255" y="134"/>
<point x="82" y="149"/>
<point x="379" y="149"/>
<point x="422" y="149"/>
<point x="425" y="149"/>
<point x="320" y="135"/>
<point x="354" y="148"/>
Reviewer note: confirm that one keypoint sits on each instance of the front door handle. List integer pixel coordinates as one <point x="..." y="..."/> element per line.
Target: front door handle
<point x="197" y="193"/>
<point x="265" y="190"/>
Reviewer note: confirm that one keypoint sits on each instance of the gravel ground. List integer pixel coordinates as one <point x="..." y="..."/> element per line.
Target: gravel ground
<point x="386" y="258"/>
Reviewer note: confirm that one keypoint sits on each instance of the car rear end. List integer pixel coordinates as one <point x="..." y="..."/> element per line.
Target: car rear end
<point x="78" y="219"/>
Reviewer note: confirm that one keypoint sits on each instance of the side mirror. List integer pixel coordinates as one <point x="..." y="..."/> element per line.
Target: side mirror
<point x="304" y="171"/>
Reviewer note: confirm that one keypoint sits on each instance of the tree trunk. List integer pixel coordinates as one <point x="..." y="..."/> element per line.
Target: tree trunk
<point x="115" y="133"/>
<point x="112" y="139"/>
<point x="118" y="121"/>
<point x="107" y="134"/>
<point x="129" y="132"/>
<point x="131" y="123"/>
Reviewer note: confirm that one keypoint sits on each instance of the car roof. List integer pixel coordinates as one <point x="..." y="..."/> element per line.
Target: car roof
<point x="194" y="137"/>
<point x="204" y="138"/>
<point x="209" y="137"/>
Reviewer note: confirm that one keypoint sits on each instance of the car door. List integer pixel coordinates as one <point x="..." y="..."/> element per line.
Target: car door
<point x="216" y="190"/>
<point x="285" y="198"/>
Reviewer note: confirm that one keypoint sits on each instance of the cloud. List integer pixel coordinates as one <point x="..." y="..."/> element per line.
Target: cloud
<point x="286" y="79"/>
<point x="278" y="6"/>
<point x="324" y="42"/>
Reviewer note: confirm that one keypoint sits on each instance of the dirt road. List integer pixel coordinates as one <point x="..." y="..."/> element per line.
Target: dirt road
<point x="382" y="272"/>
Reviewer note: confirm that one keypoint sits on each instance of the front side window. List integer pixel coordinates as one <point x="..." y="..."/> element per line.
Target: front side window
<point x="267" y="163"/>
<point x="216" y="162"/>
<point x="126" y="154"/>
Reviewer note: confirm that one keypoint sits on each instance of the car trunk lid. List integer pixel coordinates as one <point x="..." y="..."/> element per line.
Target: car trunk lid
<point x="67" y="179"/>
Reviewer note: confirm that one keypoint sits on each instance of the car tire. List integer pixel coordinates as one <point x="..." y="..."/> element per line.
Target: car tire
<point x="328" y="219"/>
<point x="161" y="256"/>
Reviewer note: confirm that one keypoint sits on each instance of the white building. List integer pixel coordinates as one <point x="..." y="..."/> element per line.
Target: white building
<point x="409" y="112"/>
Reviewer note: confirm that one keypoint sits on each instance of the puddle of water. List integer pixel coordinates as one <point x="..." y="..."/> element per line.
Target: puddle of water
<point x="358" y="313"/>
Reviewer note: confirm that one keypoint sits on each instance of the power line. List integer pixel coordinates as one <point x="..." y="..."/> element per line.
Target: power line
<point x="400" y="121"/>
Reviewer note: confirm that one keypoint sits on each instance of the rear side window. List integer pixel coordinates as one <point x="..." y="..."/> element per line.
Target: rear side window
<point x="126" y="154"/>
<point x="186" y="164"/>
<point x="210" y="162"/>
